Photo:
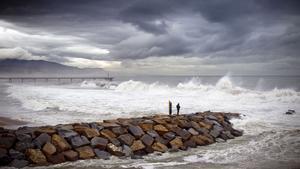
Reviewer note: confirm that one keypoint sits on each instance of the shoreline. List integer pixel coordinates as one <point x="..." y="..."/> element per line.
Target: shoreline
<point x="7" y="122"/>
<point x="121" y="137"/>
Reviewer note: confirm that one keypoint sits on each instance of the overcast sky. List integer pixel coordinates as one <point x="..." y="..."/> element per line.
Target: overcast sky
<point x="177" y="37"/>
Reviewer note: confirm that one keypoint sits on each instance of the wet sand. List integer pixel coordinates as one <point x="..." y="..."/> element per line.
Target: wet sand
<point x="5" y="121"/>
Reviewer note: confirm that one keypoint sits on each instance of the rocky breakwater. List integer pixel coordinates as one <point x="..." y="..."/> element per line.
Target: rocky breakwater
<point x="123" y="137"/>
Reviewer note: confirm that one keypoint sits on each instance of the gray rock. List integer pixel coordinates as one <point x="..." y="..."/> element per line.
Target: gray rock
<point x="19" y="163"/>
<point x="22" y="146"/>
<point x="102" y="154"/>
<point x="127" y="150"/>
<point x="136" y="131"/>
<point x="215" y="132"/>
<point x="169" y="136"/>
<point x="133" y="156"/>
<point x="96" y="126"/>
<point x="4" y="158"/>
<point x="67" y="133"/>
<point x="115" y="141"/>
<point x="220" y="140"/>
<point x="25" y="130"/>
<point x="226" y="135"/>
<point x="193" y="131"/>
<point x="99" y="142"/>
<point x="153" y="133"/>
<point x="211" y="117"/>
<point x="7" y="140"/>
<point x="184" y="134"/>
<point x="236" y="133"/>
<point x="24" y="137"/>
<point x="147" y="140"/>
<point x="16" y="154"/>
<point x="78" y="141"/>
<point x="119" y="130"/>
<point x="126" y="139"/>
<point x="41" y="140"/>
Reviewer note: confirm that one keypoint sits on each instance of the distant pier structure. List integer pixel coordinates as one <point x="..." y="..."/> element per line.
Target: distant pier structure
<point x="46" y="79"/>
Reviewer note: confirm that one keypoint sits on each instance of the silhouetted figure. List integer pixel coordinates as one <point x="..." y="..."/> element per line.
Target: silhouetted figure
<point x="178" y="108"/>
<point x="170" y="108"/>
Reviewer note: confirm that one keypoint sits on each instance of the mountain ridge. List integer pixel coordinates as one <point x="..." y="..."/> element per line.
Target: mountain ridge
<point x="42" y="67"/>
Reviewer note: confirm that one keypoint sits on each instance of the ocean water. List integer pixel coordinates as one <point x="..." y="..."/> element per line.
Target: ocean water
<point x="271" y="138"/>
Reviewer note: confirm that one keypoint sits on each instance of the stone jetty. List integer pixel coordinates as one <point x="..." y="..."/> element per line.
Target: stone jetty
<point x="123" y="137"/>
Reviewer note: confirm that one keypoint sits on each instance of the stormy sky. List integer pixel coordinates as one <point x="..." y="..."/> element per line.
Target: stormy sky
<point x="162" y="37"/>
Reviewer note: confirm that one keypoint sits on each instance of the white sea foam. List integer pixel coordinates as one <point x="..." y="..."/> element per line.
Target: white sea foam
<point x="130" y="98"/>
<point x="96" y="100"/>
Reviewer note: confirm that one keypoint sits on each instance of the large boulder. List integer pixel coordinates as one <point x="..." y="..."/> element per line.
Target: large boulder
<point x="127" y="150"/>
<point x="99" y="142"/>
<point x="16" y="163"/>
<point x="36" y="156"/>
<point x="236" y="133"/>
<point x="198" y="140"/>
<point x="146" y="126"/>
<point x="126" y="139"/>
<point x="193" y="131"/>
<point x="23" y="146"/>
<point x="85" y="152"/>
<point x="184" y="124"/>
<point x="190" y="143"/>
<point x="49" y="149"/>
<point x="48" y="130"/>
<point x="169" y="136"/>
<point x="60" y="143"/>
<point x="184" y="134"/>
<point x="90" y="132"/>
<point x="16" y="154"/>
<point x="216" y="130"/>
<point x="57" y="158"/>
<point x="205" y="125"/>
<point x="7" y="140"/>
<point x="109" y="124"/>
<point x="4" y="158"/>
<point x="102" y="154"/>
<point x="41" y="140"/>
<point x="115" y="150"/>
<point x="176" y="143"/>
<point x="78" y="141"/>
<point x="66" y="133"/>
<point x="96" y="126"/>
<point x="147" y="140"/>
<point x="24" y="137"/>
<point x="157" y="146"/>
<point x="108" y="134"/>
<point x="161" y="140"/>
<point x="71" y="155"/>
<point x="115" y="141"/>
<point x="153" y="133"/>
<point x="119" y="130"/>
<point x="137" y="145"/>
<point x="212" y="117"/>
<point x="136" y="131"/>
<point x="225" y="135"/>
<point x="160" y="129"/>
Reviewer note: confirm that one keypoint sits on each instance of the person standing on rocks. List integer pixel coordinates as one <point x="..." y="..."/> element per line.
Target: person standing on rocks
<point x="170" y="108"/>
<point x="178" y="108"/>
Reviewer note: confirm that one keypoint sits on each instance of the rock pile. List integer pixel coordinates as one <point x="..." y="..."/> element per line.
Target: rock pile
<point x="131" y="137"/>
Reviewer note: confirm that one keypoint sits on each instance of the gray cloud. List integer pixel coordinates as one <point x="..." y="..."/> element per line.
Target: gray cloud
<point x="218" y="32"/>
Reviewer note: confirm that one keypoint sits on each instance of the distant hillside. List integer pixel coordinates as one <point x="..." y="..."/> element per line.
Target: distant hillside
<point x="41" y="67"/>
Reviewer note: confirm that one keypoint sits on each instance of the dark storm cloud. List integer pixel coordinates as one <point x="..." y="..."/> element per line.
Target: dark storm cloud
<point x="221" y="31"/>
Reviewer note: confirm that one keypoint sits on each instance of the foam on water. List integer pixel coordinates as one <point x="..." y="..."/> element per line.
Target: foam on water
<point x="268" y="131"/>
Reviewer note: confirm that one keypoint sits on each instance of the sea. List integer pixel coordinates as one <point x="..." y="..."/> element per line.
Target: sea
<point x="271" y="138"/>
